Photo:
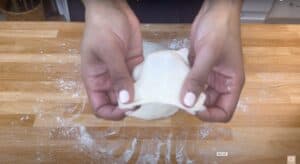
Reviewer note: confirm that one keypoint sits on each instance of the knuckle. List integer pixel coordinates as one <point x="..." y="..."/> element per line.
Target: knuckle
<point x="97" y="83"/>
<point x="97" y="112"/>
<point x="194" y="86"/>
<point x="97" y="115"/>
<point x="196" y="78"/>
<point x="226" y="119"/>
<point x="195" y="83"/>
<point x="111" y="116"/>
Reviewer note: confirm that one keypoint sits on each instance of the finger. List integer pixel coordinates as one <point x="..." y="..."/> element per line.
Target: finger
<point x="100" y="82"/>
<point x="197" y="77"/>
<point x="134" y="54"/>
<point x="113" y="55"/>
<point x="133" y="61"/>
<point x="110" y="112"/>
<point x="225" y="105"/>
<point x="97" y="99"/>
<point x="122" y="82"/>
<point x="94" y="72"/>
<point x="193" y="35"/>
<point x="214" y="114"/>
<point x="222" y="111"/>
<point x="103" y="107"/>
<point x="113" y="97"/>
<point x="96" y="80"/>
<point x="135" y="47"/>
<point x="211" y="96"/>
<point x="135" y="43"/>
<point x="219" y="82"/>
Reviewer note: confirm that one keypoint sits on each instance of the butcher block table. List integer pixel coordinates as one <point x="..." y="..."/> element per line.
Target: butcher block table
<point x="45" y="116"/>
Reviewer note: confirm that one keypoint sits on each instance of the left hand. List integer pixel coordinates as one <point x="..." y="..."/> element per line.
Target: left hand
<point x="111" y="47"/>
<point x="216" y="59"/>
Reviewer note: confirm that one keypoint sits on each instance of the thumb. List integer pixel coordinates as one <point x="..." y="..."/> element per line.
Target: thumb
<point x="196" y="79"/>
<point x="122" y="83"/>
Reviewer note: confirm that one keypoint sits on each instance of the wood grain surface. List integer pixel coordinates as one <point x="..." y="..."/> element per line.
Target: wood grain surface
<point x="45" y="116"/>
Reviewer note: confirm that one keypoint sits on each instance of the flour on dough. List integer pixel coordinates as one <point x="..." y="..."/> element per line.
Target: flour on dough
<point x="158" y="84"/>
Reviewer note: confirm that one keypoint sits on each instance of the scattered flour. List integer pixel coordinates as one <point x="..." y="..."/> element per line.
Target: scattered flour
<point x="242" y="106"/>
<point x="176" y="44"/>
<point x="24" y="118"/>
<point x="129" y="152"/>
<point x="85" y="138"/>
<point x="168" y="149"/>
<point x="150" y="151"/>
<point x="96" y="145"/>
<point x="181" y="147"/>
<point x="64" y="85"/>
<point x="204" y="131"/>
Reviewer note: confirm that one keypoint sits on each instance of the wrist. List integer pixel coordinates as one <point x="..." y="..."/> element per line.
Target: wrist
<point x="226" y="12"/>
<point x="95" y="7"/>
<point x="104" y="8"/>
<point x="225" y="4"/>
<point x="230" y="8"/>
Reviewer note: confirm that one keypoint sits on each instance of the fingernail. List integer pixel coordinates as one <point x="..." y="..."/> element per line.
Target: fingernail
<point x="123" y="96"/>
<point x="189" y="99"/>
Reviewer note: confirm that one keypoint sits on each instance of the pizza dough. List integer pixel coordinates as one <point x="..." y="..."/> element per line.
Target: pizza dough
<point x="159" y="80"/>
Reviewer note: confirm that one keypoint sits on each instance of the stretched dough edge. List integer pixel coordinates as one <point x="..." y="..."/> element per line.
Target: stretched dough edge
<point x="166" y="108"/>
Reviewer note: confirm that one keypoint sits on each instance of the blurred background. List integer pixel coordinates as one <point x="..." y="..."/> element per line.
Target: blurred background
<point x="148" y="11"/>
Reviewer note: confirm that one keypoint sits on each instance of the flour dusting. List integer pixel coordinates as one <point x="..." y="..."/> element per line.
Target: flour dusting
<point x="204" y="131"/>
<point x="129" y="152"/>
<point x="111" y="145"/>
<point x="176" y="44"/>
<point x="150" y="151"/>
<point x="24" y="118"/>
<point x="65" y="85"/>
<point x="85" y="138"/>
<point x="168" y="148"/>
<point x="181" y="154"/>
<point x="242" y="106"/>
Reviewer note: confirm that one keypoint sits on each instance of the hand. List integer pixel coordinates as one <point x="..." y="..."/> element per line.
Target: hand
<point x="216" y="59"/>
<point x="111" y="47"/>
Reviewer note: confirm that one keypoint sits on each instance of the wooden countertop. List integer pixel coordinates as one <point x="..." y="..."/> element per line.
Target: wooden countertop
<point x="45" y="117"/>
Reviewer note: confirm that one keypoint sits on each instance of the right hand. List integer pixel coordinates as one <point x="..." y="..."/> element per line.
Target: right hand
<point x="216" y="58"/>
<point x="110" y="49"/>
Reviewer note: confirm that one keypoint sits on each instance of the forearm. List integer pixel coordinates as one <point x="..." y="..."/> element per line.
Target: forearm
<point x="98" y="7"/>
<point x="104" y="10"/>
<point x="224" y="4"/>
<point x="224" y="12"/>
<point x="231" y="8"/>
<point x="91" y="4"/>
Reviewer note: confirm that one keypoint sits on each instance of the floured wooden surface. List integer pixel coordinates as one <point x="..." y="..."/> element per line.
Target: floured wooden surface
<point x="45" y="116"/>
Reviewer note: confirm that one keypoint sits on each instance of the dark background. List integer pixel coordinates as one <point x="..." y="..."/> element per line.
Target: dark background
<point x="151" y="11"/>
